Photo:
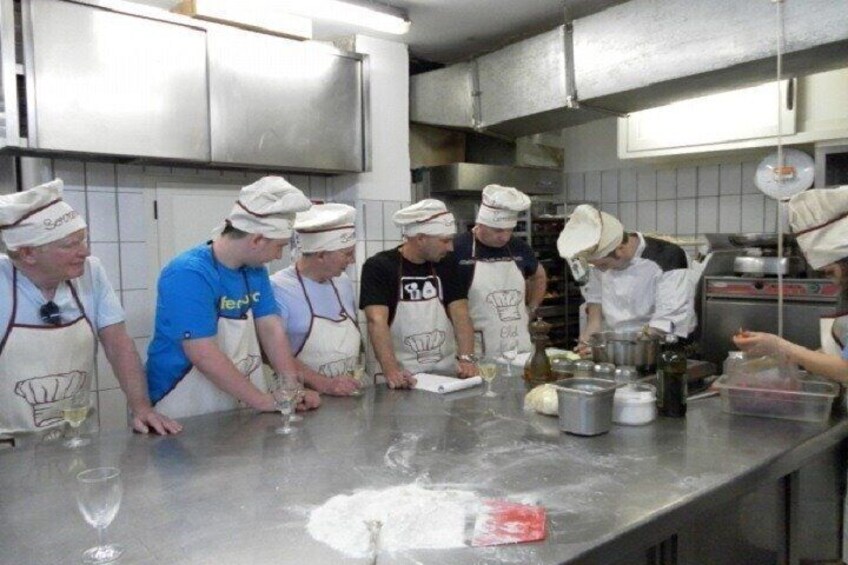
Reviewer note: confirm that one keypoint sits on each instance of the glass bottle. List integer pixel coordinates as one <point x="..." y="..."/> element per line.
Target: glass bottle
<point x="672" y="379"/>
<point x="537" y="370"/>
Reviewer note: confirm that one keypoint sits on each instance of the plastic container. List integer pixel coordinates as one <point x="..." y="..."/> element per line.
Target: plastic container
<point x="812" y="402"/>
<point x="583" y="368"/>
<point x="635" y="405"/>
<point x="626" y="374"/>
<point x="585" y="406"/>
<point x="604" y="371"/>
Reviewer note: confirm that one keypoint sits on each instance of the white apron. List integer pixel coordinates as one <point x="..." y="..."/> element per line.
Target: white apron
<point x="496" y="300"/>
<point x="40" y="366"/>
<point x="422" y="336"/>
<point x="331" y="346"/>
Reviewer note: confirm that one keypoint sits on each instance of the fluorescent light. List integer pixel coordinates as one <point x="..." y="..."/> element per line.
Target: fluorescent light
<point x="336" y="11"/>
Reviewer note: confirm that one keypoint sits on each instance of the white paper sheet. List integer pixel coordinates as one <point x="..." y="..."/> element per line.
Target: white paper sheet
<point x="443" y="385"/>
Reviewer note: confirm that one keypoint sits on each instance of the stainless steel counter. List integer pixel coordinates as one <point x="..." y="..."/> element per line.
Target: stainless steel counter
<point x="228" y="490"/>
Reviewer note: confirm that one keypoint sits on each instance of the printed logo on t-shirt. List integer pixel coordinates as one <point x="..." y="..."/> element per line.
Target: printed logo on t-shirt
<point x="240" y="305"/>
<point x="414" y="289"/>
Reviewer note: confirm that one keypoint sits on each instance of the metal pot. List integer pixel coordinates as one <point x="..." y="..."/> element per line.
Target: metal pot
<point x="637" y="349"/>
<point x="585" y="405"/>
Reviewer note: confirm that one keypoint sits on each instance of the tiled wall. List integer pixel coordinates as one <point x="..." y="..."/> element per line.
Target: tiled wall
<point x="112" y="199"/>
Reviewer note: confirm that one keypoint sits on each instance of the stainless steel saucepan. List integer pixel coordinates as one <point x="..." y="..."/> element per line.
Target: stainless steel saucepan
<point x="637" y="349"/>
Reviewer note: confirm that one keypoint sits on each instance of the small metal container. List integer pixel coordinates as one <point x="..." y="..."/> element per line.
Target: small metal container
<point x="583" y="368"/>
<point x="604" y="371"/>
<point x="562" y="367"/>
<point x="585" y="405"/>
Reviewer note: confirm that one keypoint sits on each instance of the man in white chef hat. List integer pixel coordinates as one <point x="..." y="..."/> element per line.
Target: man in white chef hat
<point x="503" y="277"/>
<point x="317" y="301"/>
<point x="57" y="303"/>
<point x="416" y="306"/>
<point x="215" y="307"/>
<point x="636" y="281"/>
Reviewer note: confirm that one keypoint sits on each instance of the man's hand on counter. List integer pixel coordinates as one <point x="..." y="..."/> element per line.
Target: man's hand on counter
<point x="145" y="420"/>
<point x="399" y="379"/>
<point x="466" y="369"/>
<point x="309" y="400"/>
<point x="342" y="386"/>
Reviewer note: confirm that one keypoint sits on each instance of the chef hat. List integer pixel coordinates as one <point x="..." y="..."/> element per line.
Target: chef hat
<point x="266" y="207"/>
<point x="326" y="227"/>
<point x="589" y="234"/>
<point x="430" y="217"/>
<point x="501" y="205"/>
<point x="819" y="218"/>
<point x="37" y="216"/>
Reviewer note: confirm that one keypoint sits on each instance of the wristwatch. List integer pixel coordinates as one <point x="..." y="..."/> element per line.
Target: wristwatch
<point x="467" y="358"/>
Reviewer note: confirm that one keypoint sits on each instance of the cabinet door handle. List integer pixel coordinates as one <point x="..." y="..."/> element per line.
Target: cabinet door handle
<point x="790" y="94"/>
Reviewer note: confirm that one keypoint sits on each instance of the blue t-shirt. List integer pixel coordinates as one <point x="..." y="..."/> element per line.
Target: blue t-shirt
<point x="193" y="291"/>
<point x="295" y="310"/>
<point x="845" y="352"/>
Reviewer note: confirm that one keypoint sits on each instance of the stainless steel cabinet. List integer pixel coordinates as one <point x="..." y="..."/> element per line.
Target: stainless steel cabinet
<point x="99" y="81"/>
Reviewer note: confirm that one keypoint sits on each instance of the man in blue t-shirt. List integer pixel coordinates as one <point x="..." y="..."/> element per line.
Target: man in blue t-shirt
<point x="215" y="307"/>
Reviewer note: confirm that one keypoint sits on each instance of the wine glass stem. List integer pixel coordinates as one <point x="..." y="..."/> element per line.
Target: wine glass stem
<point x="489" y="388"/>
<point x="286" y="423"/>
<point x="101" y="536"/>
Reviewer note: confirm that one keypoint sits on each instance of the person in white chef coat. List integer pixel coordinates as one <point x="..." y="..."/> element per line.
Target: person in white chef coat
<point x="504" y="279"/>
<point x="215" y="307"/>
<point x="819" y="218"/>
<point x="317" y="300"/>
<point x="57" y="308"/>
<point x="635" y="281"/>
<point x="415" y="304"/>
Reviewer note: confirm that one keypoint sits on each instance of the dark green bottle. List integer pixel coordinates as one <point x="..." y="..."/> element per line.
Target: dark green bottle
<point x="671" y="379"/>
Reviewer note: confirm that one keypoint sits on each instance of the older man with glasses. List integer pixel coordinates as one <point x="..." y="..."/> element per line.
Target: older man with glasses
<point x="57" y="303"/>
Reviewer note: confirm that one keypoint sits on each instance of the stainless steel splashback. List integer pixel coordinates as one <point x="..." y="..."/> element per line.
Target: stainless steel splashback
<point x="459" y="178"/>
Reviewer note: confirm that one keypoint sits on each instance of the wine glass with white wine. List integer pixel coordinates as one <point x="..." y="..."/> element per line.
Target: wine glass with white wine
<point x="284" y="388"/>
<point x="488" y="368"/>
<point x="358" y="374"/>
<point x="99" y="494"/>
<point x="74" y="411"/>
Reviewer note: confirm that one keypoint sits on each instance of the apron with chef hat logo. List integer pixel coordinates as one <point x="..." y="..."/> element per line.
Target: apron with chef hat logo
<point x="422" y="334"/>
<point x="331" y="346"/>
<point x="33" y="383"/>
<point x="496" y="305"/>
<point x="195" y="394"/>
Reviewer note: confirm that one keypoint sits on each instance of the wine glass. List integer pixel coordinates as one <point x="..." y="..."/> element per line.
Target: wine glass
<point x="510" y="353"/>
<point x="284" y="389"/>
<point x="358" y="374"/>
<point x="488" y="370"/>
<point x="99" y="498"/>
<point x="298" y="383"/>
<point x="74" y="411"/>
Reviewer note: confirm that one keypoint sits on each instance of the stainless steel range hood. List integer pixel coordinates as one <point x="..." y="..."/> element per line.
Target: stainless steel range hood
<point x="467" y="178"/>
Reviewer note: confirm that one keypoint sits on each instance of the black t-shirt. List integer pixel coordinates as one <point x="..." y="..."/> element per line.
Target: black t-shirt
<point x="379" y="284"/>
<point x="516" y="249"/>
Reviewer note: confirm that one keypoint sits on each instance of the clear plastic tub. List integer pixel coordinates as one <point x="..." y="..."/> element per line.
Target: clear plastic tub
<point x="811" y="402"/>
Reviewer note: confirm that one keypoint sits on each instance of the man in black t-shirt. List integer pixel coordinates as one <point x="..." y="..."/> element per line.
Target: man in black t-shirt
<point x="416" y="308"/>
<point x="503" y="278"/>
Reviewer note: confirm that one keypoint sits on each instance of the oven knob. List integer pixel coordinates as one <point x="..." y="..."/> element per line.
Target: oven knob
<point x="759" y="285"/>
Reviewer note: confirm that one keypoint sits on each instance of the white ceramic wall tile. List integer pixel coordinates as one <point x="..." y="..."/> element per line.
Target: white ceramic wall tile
<point x="112" y="406"/>
<point x="360" y="220"/>
<point x="647" y="184"/>
<point x="729" y="213"/>
<point x="666" y="184"/>
<point x="100" y="177"/>
<point x="748" y="173"/>
<point x="708" y="181"/>
<point x="708" y="214"/>
<point x="318" y="188"/>
<point x="627" y="185"/>
<point x="102" y="216"/>
<point x="391" y="243"/>
<point x="373" y="220"/>
<point x="627" y="215"/>
<point x="105" y="375"/>
<point x="390" y="230"/>
<point x="301" y="182"/>
<point x="575" y="187"/>
<point x="687" y="182"/>
<point x="132" y="216"/>
<point x="667" y="217"/>
<point x="687" y="213"/>
<point x="36" y="171"/>
<point x="770" y="224"/>
<point x="77" y="201"/>
<point x="135" y="269"/>
<point x="372" y="248"/>
<point x="130" y="178"/>
<point x="753" y="213"/>
<point x="72" y="173"/>
<point x="609" y="186"/>
<point x="360" y="258"/>
<point x="140" y="312"/>
<point x="109" y="255"/>
<point x="610" y="208"/>
<point x="157" y="171"/>
<point x="730" y="178"/>
<point x="593" y="186"/>
<point x="646" y="216"/>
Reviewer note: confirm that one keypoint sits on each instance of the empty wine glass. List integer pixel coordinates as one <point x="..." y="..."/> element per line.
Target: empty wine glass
<point x="284" y="389"/>
<point x="510" y="353"/>
<point x="99" y="498"/>
<point x="295" y="417"/>
<point x="358" y="374"/>
<point x="488" y="370"/>
<point x="74" y="411"/>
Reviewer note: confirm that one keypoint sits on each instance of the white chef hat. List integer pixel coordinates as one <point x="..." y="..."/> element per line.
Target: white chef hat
<point x="37" y="216"/>
<point x="589" y="234"/>
<point x="501" y="206"/>
<point x="429" y="217"/>
<point x="266" y="207"/>
<point x="326" y="227"/>
<point x="819" y="218"/>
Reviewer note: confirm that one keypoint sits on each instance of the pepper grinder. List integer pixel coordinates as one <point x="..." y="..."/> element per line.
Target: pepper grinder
<point x="537" y="370"/>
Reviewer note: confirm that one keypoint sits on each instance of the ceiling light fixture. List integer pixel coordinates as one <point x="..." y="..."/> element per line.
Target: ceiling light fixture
<point x="344" y="12"/>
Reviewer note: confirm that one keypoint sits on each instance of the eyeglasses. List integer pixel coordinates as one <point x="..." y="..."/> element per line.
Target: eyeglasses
<point x="50" y="313"/>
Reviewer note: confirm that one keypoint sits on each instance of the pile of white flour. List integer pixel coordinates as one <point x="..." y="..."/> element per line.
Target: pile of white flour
<point x="412" y="516"/>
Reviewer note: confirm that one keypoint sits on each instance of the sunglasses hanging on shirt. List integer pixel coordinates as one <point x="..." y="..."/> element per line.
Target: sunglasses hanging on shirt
<point x="50" y="313"/>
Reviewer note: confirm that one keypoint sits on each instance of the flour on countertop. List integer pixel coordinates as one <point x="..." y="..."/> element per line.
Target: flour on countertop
<point x="413" y="517"/>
